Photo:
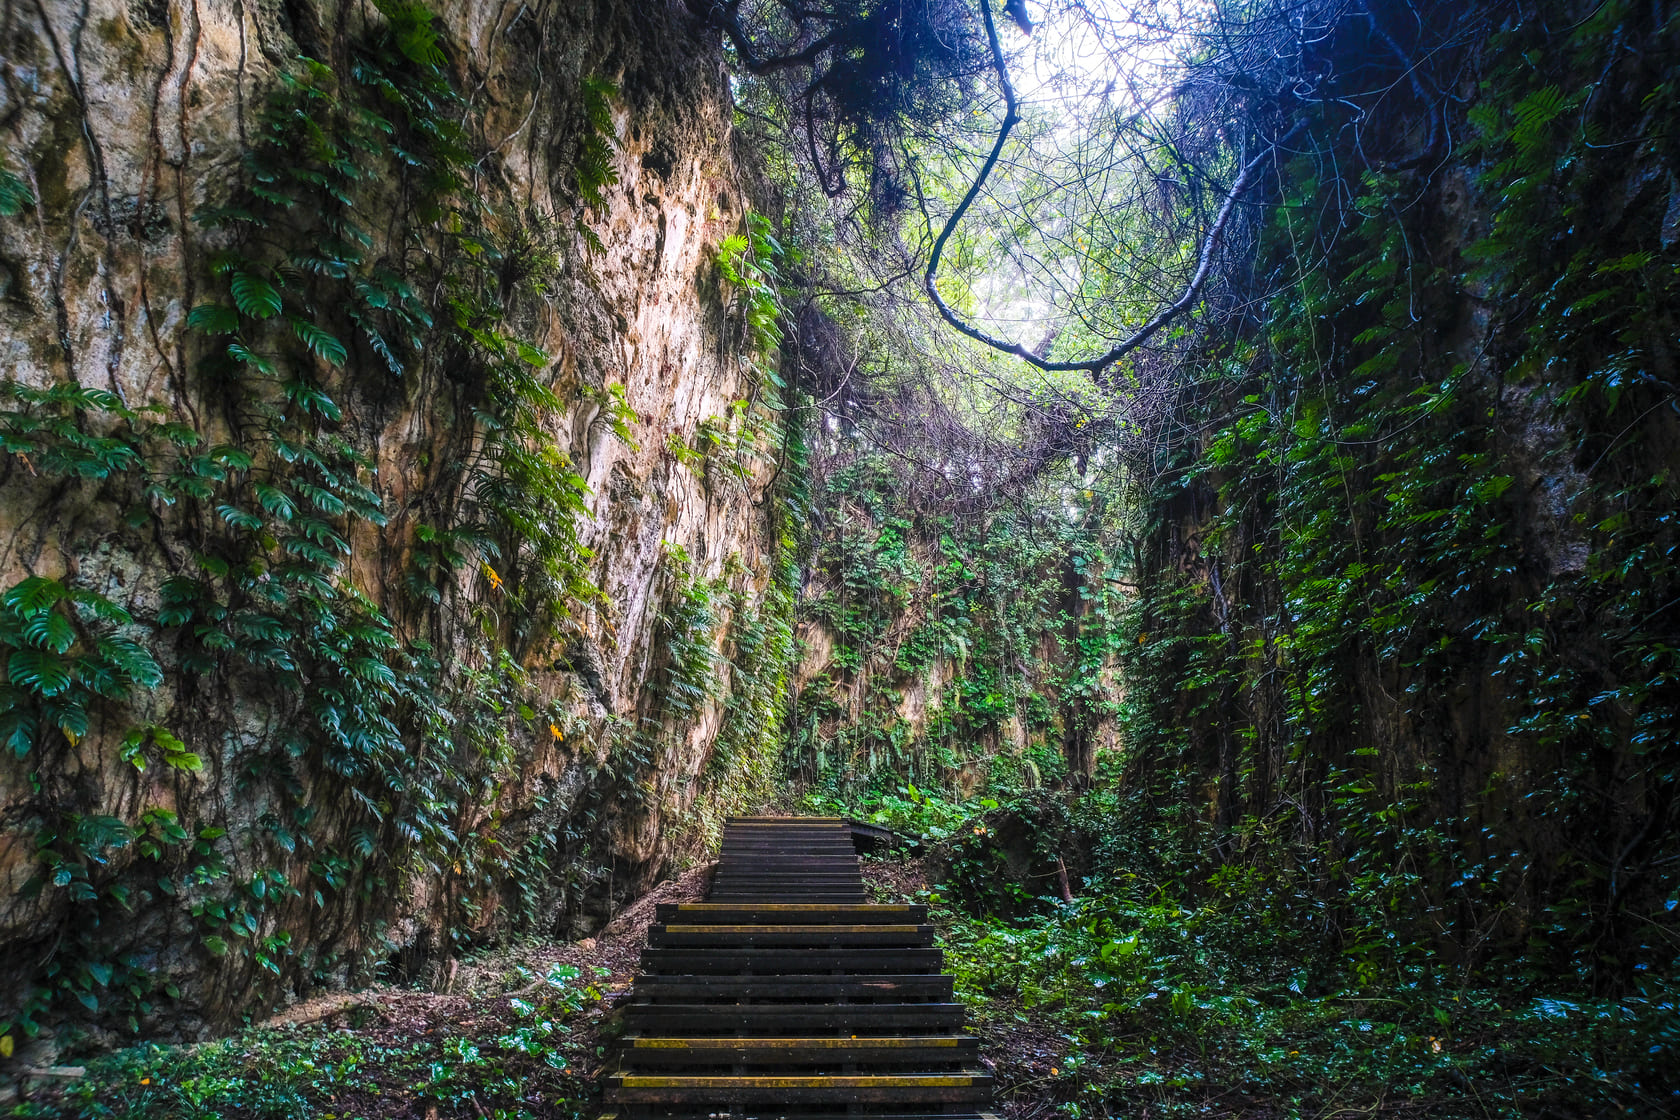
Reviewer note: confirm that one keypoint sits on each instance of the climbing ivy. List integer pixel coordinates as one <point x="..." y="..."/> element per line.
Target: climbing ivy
<point x="593" y="170"/>
<point x="63" y="656"/>
<point x="970" y="612"/>
<point x="1415" y="655"/>
<point x="750" y="262"/>
<point x="384" y="756"/>
<point x="15" y="196"/>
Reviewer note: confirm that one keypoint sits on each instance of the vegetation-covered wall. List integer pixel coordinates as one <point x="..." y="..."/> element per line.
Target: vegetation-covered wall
<point x="1382" y="542"/>
<point x="1408" y="622"/>
<point x="942" y="649"/>
<point x="380" y="382"/>
<point x="1389" y="573"/>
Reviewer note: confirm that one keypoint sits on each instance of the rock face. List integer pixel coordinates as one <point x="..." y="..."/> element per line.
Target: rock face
<point x="954" y="652"/>
<point x="1412" y="585"/>
<point x="382" y="615"/>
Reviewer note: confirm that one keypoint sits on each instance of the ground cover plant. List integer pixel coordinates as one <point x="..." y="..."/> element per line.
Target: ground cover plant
<point x="1150" y="997"/>
<point x="519" y="1034"/>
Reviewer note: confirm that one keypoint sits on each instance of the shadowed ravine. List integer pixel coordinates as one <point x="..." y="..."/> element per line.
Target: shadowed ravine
<point x="1201" y="477"/>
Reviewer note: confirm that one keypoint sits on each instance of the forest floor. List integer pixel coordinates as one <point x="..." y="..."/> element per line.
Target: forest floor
<point x="517" y="1032"/>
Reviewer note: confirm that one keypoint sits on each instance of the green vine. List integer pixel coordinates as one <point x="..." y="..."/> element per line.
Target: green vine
<point x="1418" y="672"/>
<point x="369" y="778"/>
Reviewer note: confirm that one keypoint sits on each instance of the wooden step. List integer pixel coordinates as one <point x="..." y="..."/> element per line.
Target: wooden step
<point x="800" y="889"/>
<point x="770" y="1019"/>
<point x="820" y="861"/>
<point x="840" y="851"/>
<point x="815" y="861"/>
<point x="961" y="1087"/>
<point x="638" y="1112"/>
<point x="790" y="842"/>
<point x="793" y="873"/>
<point x="795" y="913"/>
<point x="815" y="865"/>
<point x="791" y="896"/>
<point x="930" y="1051"/>
<point x="895" y="987"/>
<point x="777" y="962"/>
<point x="832" y="845"/>
<point x="795" y="880"/>
<point x="795" y="889"/>
<point x="809" y="865"/>
<point x="804" y="828"/>
<point x="676" y="935"/>
<point x="838" y="848"/>
<point x="789" y="891"/>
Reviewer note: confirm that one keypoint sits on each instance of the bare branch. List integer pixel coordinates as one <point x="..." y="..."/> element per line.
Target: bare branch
<point x="1204" y="264"/>
<point x="726" y="18"/>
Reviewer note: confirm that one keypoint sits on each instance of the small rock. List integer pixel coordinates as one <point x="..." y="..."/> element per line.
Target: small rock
<point x="37" y="1053"/>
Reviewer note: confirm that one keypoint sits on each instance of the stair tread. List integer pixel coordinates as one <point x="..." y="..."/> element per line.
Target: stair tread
<point x="798" y="980"/>
<point x="866" y="909"/>
<point x="793" y="989"/>
<point x="856" y="960"/>
<point x="885" y="1042"/>
<point x="940" y="1077"/>
<point x="779" y="1115"/>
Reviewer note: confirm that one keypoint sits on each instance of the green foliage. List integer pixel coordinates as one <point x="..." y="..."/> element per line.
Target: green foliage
<point x="15" y="196"/>
<point x="916" y="815"/>
<point x="46" y="429"/>
<point x="975" y="613"/>
<point x="1161" y="1004"/>
<point x="524" y="496"/>
<point x="688" y="634"/>
<point x="1402" y="685"/>
<point x="523" y="1065"/>
<point x="616" y="410"/>
<point x="381" y="751"/>
<point x="594" y="171"/>
<point x="761" y="654"/>
<point x="746" y="668"/>
<point x="61" y="657"/>
<point x="748" y="263"/>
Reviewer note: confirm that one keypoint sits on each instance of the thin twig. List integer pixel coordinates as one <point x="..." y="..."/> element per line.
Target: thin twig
<point x="1204" y="265"/>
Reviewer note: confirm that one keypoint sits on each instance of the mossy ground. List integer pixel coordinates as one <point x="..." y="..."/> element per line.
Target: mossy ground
<point x="519" y="1035"/>
<point x="1089" y="1009"/>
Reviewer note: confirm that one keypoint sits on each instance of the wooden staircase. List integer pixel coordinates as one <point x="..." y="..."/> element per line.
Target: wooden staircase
<point x="786" y="995"/>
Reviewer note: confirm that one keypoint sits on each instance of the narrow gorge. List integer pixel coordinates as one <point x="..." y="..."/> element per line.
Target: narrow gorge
<point x="1203" y="474"/>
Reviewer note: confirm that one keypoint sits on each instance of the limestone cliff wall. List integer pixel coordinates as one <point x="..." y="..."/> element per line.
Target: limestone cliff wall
<point x="1404" y="576"/>
<point x="956" y="653"/>
<point x="234" y="852"/>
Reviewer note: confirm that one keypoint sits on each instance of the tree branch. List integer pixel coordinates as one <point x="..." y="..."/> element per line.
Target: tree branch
<point x="726" y="18"/>
<point x="1204" y="264"/>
